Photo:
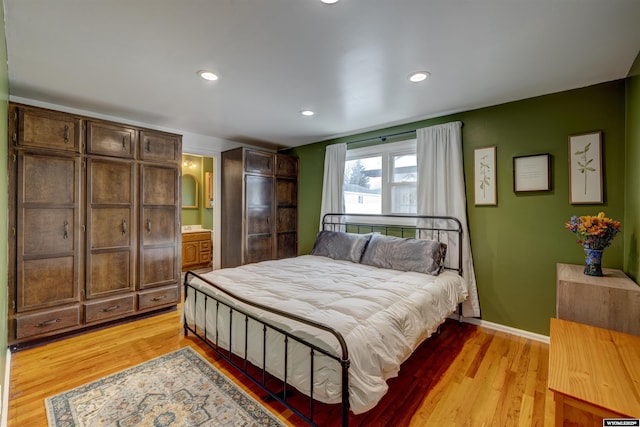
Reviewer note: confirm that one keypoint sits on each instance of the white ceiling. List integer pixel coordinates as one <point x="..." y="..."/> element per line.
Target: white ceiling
<point x="137" y="59"/>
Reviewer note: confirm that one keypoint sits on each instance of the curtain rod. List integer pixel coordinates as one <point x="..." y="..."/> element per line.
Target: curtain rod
<point x="382" y="137"/>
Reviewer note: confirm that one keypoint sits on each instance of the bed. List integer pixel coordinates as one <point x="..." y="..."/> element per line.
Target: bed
<point x="333" y="325"/>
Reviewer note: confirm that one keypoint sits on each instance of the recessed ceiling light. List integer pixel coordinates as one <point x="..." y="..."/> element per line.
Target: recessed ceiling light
<point x="329" y="1"/>
<point x="419" y="76"/>
<point x="307" y="113"/>
<point x="208" y="75"/>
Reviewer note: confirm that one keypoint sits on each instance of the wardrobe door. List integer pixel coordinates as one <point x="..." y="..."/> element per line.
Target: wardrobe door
<point x="159" y="252"/>
<point x="259" y="218"/>
<point x="47" y="231"/>
<point x="111" y="225"/>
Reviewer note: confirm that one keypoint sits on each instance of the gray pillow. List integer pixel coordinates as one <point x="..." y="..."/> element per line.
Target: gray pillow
<point x="340" y="246"/>
<point x="422" y="256"/>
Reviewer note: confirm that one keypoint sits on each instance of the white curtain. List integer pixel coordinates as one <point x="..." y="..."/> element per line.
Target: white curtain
<point x="441" y="191"/>
<point x="332" y="197"/>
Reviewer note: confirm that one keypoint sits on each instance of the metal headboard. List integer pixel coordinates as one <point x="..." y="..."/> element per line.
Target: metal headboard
<point x="444" y="229"/>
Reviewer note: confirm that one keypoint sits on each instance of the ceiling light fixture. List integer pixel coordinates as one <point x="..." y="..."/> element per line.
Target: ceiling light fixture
<point x="419" y="76"/>
<point x="208" y="75"/>
<point x="307" y="113"/>
<point x="329" y="1"/>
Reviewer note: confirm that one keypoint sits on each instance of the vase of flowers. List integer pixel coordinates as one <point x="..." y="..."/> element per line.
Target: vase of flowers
<point x="595" y="233"/>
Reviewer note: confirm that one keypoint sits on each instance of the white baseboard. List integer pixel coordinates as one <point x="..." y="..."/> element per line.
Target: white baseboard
<point x="507" y="329"/>
<point x="4" y="391"/>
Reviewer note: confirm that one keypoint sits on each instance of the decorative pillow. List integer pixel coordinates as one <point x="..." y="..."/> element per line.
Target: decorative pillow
<point x="396" y="253"/>
<point x="340" y="246"/>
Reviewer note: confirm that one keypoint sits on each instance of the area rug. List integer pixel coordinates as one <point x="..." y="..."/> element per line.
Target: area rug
<point x="177" y="389"/>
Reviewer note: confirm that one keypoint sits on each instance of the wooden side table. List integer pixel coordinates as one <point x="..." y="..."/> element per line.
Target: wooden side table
<point x="594" y="373"/>
<point x="611" y="301"/>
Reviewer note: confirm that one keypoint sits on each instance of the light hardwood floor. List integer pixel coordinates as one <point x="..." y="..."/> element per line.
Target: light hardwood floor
<point x="464" y="376"/>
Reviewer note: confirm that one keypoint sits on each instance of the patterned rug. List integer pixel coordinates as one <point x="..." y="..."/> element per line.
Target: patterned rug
<point x="177" y="389"/>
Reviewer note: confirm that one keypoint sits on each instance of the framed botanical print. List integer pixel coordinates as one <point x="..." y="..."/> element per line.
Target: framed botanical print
<point x="585" y="168"/>
<point x="485" y="176"/>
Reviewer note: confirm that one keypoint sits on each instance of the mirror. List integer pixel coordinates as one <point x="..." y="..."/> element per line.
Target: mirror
<point x="189" y="191"/>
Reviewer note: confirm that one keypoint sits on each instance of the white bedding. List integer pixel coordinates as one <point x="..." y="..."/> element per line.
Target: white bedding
<point x="382" y="314"/>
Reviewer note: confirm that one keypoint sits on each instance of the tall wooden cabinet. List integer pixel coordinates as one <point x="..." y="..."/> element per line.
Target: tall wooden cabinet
<point x="94" y="222"/>
<point x="259" y="206"/>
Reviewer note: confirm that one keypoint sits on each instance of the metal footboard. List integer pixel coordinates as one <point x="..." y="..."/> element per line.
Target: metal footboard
<point x="238" y="357"/>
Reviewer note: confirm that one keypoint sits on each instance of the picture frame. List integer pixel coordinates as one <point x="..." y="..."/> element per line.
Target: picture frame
<point x="532" y="173"/>
<point x="485" y="183"/>
<point x="585" y="169"/>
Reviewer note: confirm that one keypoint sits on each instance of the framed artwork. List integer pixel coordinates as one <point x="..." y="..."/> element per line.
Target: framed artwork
<point x="585" y="168"/>
<point x="532" y="173"/>
<point x="485" y="176"/>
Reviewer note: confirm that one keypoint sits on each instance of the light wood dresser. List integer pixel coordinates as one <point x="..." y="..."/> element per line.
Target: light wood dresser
<point x="611" y="301"/>
<point x="594" y="373"/>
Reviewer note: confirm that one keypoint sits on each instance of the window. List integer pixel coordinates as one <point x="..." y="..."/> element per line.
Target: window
<point x="381" y="179"/>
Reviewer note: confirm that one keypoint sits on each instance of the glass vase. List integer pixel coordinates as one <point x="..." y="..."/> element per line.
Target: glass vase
<point x="593" y="262"/>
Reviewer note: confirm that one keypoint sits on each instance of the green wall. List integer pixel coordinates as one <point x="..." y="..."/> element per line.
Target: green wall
<point x="517" y="243"/>
<point x="632" y="200"/>
<point x="4" y="97"/>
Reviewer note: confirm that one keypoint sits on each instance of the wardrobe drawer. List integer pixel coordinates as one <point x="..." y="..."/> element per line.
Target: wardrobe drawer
<point x="111" y="140"/>
<point x="106" y="309"/>
<point x="46" y="321"/>
<point x="158" y="297"/>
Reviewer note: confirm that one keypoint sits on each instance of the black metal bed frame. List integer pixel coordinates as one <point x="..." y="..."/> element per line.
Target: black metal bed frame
<point x="238" y="358"/>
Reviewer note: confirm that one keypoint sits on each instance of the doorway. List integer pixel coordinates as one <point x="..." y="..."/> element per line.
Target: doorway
<point x="198" y="197"/>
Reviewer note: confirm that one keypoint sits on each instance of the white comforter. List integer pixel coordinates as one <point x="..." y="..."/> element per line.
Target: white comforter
<point x="383" y="315"/>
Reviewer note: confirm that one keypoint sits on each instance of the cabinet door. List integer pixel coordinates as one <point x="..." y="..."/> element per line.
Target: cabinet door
<point x="111" y="140"/>
<point x="48" y="231"/>
<point x="286" y="192"/>
<point x="258" y="162"/>
<point x="259" y="204"/>
<point x="287" y="220"/>
<point x="287" y="245"/>
<point x="259" y="248"/>
<point x="190" y="254"/>
<point x="160" y="147"/>
<point x="259" y="190"/>
<point x="286" y="166"/>
<point x="48" y="129"/>
<point x="159" y="252"/>
<point x="259" y="220"/>
<point x="111" y="227"/>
